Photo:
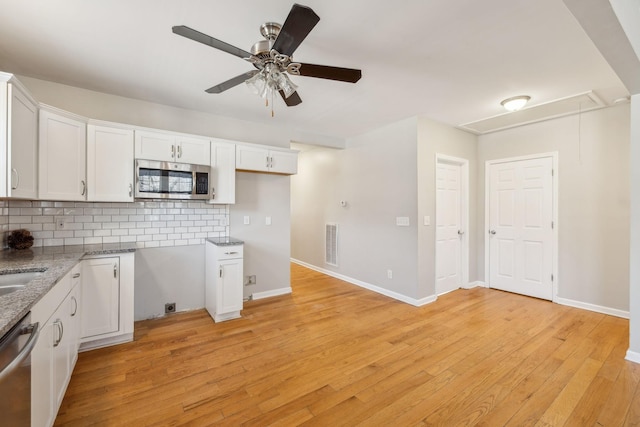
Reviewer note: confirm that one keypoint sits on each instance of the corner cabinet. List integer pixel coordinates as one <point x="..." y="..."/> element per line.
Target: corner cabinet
<point x="18" y="140"/>
<point x="109" y="164"/>
<point x="258" y="158"/>
<point x="223" y="280"/>
<point x="55" y="353"/>
<point x="62" y="156"/>
<point x="223" y="171"/>
<point x="107" y="300"/>
<point x="171" y="147"/>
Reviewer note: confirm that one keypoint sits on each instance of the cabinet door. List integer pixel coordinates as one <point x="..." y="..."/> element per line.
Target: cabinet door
<point x="61" y="348"/>
<point x="42" y="413"/>
<point x="229" y="291"/>
<point x="252" y="158"/>
<point x="155" y="146"/>
<point x="192" y="150"/>
<point x="109" y="164"/>
<point x="22" y="144"/>
<point x="285" y="162"/>
<point x="100" y="303"/>
<point x="223" y="172"/>
<point x="62" y="157"/>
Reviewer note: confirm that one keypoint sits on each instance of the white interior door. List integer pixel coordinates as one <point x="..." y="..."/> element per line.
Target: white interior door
<point x="449" y="229"/>
<point x="521" y="226"/>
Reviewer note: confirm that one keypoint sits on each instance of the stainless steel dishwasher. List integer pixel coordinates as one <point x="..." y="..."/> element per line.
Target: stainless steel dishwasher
<point x="15" y="373"/>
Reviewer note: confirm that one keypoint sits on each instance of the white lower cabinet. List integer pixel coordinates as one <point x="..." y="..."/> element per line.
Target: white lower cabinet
<point x="55" y="353"/>
<point x="107" y="300"/>
<point x="223" y="281"/>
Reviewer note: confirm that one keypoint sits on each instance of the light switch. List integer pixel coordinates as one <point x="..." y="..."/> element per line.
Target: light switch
<point x="427" y="220"/>
<point x="402" y="221"/>
<point x="267" y="220"/>
<point x="247" y="220"/>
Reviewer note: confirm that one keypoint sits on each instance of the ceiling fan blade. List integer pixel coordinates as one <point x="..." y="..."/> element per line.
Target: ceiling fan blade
<point x="293" y="99"/>
<point x="192" y="34"/>
<point x="349" y="75"/>
<point x="232" y="82"/>
<point x="296" y="27"/>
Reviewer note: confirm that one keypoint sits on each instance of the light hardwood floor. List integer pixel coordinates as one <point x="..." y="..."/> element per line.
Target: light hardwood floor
<point x="335" y="354"/>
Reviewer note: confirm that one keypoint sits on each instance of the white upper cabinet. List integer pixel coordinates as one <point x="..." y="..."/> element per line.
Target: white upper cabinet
<point x="169" y="147"/>
<point x="192" y="150"/>
<point x="109" y="164"/>
<point x="258" y="158"/>
<point x="18" y="140"/>
<point x="62" y="156"/>
<point x="223" y="171"/>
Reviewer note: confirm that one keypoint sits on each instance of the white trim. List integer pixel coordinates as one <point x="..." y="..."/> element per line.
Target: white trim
<point x="464" y="208"/>
<point x="476" y="284"/>
<point x="554" y="215"/>
<point x="632" y="356"/>
<point x="271" y="293"/>
<point x="369" y="286"/>
<point x="592" y="307"/>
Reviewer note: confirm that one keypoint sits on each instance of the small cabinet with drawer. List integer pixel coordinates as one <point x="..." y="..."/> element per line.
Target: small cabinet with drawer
<point x="223" y="280"/>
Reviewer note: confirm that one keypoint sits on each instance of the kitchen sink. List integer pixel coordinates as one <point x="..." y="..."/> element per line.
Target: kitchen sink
<point x="11" y="282"/>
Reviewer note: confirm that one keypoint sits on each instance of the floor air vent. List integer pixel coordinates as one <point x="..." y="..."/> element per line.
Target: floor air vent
<point x="331" y="244"/>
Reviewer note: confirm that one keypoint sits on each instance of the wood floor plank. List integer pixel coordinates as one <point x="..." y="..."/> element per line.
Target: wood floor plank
<point x="335" y="354"/>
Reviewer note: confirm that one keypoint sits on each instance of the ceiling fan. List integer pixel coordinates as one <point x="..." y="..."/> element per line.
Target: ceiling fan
<point x="272" y="57"/>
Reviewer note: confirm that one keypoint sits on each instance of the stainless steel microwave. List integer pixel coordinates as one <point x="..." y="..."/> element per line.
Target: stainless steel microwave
<point x="168" y="180"/>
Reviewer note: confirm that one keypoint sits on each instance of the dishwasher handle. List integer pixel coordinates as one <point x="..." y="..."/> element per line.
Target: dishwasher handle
<point x="34" y="330"/>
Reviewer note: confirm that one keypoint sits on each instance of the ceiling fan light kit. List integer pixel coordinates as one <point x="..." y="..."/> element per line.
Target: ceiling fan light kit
<point x="515" y="103"/>
<point x="272" y="58"/>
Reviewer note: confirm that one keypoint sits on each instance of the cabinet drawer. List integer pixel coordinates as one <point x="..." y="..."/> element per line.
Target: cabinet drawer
<point x="229" y="252"/>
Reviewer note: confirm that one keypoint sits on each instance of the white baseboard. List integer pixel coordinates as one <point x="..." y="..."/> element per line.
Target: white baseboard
<point x="271" y="293"/>
<point x="476" y="284"/>
<point x="415" y="302"/>
<point x="633" y="356"/>
<point x="592" y="307"/>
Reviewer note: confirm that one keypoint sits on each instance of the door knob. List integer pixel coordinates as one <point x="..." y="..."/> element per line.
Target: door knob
<point x="460" y="232"/>
<point x="492" y="231"/>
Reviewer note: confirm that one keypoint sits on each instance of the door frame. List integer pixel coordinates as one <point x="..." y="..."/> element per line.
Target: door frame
<point x="554" y="215"/>
<point x="464" y="211"/>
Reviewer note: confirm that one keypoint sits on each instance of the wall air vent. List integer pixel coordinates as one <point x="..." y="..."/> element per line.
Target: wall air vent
<point x="331" y="244"/>
<point x="561" y="107"/>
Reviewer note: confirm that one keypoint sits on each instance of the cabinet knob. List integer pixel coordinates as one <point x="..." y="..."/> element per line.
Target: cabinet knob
<point x="130" y="189"/>
<point x="84" y="188"/>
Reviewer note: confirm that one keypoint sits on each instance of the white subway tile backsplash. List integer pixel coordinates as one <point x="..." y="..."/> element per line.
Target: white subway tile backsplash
<point x="149" y="224"/>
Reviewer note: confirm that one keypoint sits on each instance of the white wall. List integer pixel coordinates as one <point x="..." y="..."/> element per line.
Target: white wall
<point x="164" y="275"/>
<point x="593" y="176"/>
<point x="377" y="176"/>
<point x="634" y="248"/>
<point x="266" y="247"/>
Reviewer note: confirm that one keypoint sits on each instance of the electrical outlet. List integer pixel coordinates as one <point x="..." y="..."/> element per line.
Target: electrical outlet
<point x="250" y="280"/>
<point x="170" y="307"/>
<point x="247" y="220"/>
<point x="389" y="274"/>
<point x="60" y="222"/>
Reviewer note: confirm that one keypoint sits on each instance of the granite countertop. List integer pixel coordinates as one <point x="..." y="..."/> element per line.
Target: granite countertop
<point x="56" y="261"/>
<point x="225" y="241"/>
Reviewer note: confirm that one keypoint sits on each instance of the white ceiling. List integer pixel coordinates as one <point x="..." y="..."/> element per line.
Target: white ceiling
<point x="449" y="60"/>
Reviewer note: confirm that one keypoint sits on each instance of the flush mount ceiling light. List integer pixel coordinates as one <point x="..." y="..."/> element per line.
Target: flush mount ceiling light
<point x="515" y="103"/>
